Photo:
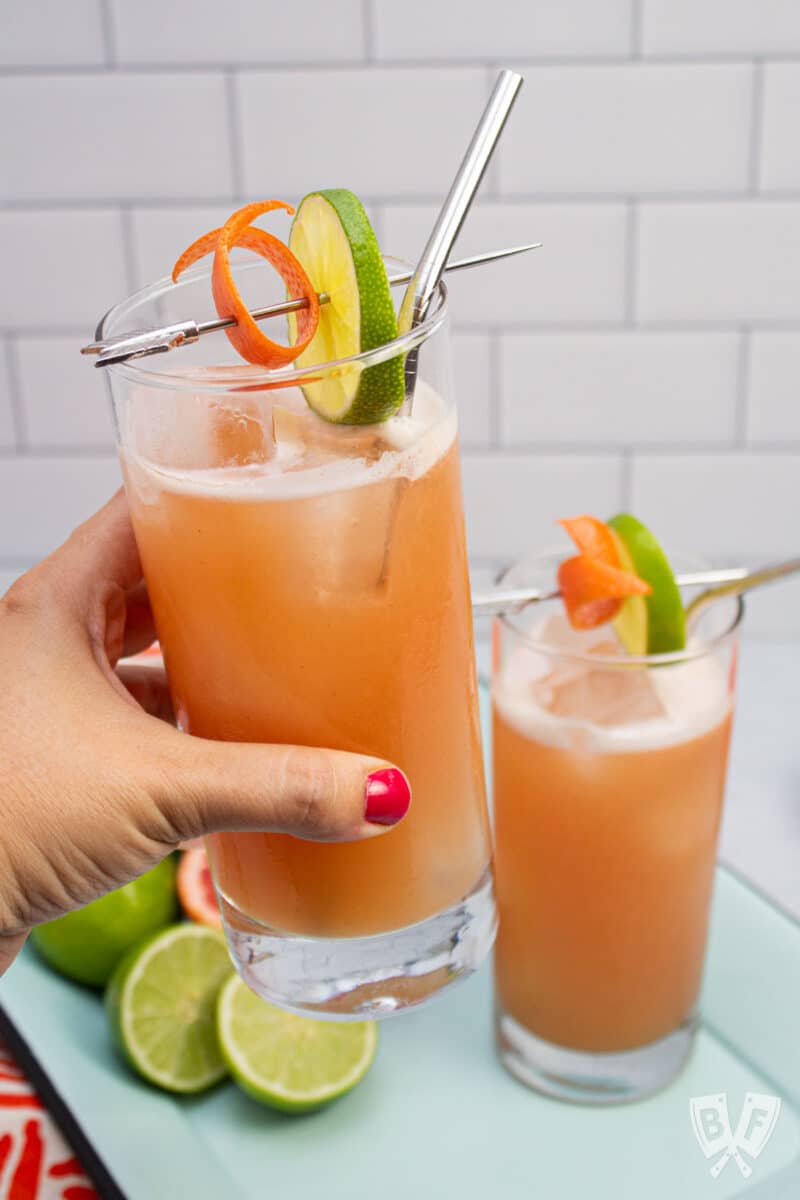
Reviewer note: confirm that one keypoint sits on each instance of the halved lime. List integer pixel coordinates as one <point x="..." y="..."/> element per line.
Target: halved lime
<point x="333" y="239"/>
<point x="291" y="1063"/>
<point x="654" y="624"/>
<point x="87" y="944"/>
<point x="161" y="1003"/>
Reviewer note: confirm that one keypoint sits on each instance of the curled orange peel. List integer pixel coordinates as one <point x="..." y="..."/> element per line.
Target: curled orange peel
<point x="246" y="336"/>
<point x="593" y="583"/>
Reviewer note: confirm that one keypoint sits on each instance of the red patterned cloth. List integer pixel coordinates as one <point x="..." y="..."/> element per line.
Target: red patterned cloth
<point x="35" y="1161"/>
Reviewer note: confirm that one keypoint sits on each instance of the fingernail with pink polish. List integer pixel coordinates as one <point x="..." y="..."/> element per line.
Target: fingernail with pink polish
<point x="388" y="797"/>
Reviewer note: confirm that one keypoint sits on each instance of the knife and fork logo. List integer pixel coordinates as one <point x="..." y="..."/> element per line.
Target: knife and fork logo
<point x="715" y="1137"/>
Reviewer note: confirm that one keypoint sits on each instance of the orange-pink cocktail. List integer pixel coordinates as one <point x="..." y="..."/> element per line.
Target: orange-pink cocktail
<point x="609" y="775"/>
<point x="309" y="584"/>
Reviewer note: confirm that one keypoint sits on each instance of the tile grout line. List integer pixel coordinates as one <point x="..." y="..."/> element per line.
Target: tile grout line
<point x="537" y="199"/>
<point x="15" y="564"/>
<point x="756" y="126"/>
<point x="637" y="23"/>
<point x="376" y="216"/>
<point x="369" y="31"/>
<point x="108" y="33"/>
<point x="434" y="63"/>
<point x="741" y="405"/>
<point x="64" y="450"/>
<point x="778" y="448"/>
<point x="234" y="139"/>
<point x="626" y="477"/>
<point x="631" y="262"/>
<point x="18" y="414"/>
<point x="128" y="247"/>
<point x="495" y="386"/>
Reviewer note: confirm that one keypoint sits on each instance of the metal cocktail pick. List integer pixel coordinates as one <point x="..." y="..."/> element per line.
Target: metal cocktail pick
<point x="728" y="581"/>
<point x="142" y="342"/>
<point x="455" y="208"/>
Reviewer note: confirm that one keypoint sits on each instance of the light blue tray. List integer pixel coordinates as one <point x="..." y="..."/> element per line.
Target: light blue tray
<point x="437" y="1116"/>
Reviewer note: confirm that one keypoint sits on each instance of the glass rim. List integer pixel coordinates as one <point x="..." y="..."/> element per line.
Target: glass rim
<point x="510" y="621"/>
<point x="282" y="376"/>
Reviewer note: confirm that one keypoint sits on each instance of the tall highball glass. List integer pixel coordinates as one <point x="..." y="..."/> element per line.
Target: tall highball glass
<point x="309" y="586"/>
<point x="609" y="774"/>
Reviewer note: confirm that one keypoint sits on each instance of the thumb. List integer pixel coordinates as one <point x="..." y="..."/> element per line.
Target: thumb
<point x="323" y="795"/>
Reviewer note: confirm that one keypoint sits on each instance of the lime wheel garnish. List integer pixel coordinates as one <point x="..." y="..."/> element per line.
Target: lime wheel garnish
<point x="653" y="623"/>
<point x="332" y="237"/>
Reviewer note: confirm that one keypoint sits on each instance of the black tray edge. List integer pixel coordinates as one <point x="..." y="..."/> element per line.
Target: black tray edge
<point x="73" y="1131"/>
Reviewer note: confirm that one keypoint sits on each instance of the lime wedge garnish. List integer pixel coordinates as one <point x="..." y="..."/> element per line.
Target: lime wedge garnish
<point x="333" y="239"/>
<point x="161" y="1003"/>
<point x="291" y="1063"/>
<point x="654" y="624"/>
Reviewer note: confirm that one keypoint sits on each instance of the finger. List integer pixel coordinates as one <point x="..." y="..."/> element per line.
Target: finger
<point x="102" y="547"/>
<point x="140" y="630"/>
<point x="148" y="686"/>
<point x="324" y="795"/>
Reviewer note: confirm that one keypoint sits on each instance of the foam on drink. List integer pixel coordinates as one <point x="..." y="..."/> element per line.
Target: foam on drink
<point x="607" y="708"/>
<point x="294" y="453"/>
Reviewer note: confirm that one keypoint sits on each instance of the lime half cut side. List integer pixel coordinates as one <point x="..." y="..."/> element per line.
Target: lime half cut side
<point x="161" y="1003"/>
<point x="291" y="1063"/>
<point x="332" y="237"/>
<point x="654" y="624"/>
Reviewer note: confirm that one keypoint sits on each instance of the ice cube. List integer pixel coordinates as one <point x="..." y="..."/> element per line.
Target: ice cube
<point x="301" y="434"/>
<point x="607" y="696"/>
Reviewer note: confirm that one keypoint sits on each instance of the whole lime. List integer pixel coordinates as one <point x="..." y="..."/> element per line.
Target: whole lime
<point x="87" y="944"/>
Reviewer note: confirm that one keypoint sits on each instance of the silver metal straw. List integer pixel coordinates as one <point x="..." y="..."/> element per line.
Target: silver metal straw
<point x="455" y="208"/>
<point x="141" y="342"/>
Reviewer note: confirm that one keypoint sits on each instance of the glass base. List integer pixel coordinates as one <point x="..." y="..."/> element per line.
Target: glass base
<point x="363" y="977"/>
<point x="585" y="1077"/>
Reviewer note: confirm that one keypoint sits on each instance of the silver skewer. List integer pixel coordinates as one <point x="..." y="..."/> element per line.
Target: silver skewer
<point x="142" y="342"/>
<point x="511" y="600"/>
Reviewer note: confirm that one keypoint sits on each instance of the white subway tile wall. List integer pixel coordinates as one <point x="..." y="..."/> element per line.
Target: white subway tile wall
<point x="780" y="169"/>
<point x="577" y="277"/>
<point x="44" y="496"/>
<point x="773" y="386"/>
<point x="551" y="382"/>
<point x="383" y="132"/>
<point x="50" y="33"/>
<point x="721" y="28"/>
<point x="643" y="128"/>
<point x="647" y="356"/>
<point x="7" y="430"/>
<point x="63" y="399"/>
<point x="467" y="31"/>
